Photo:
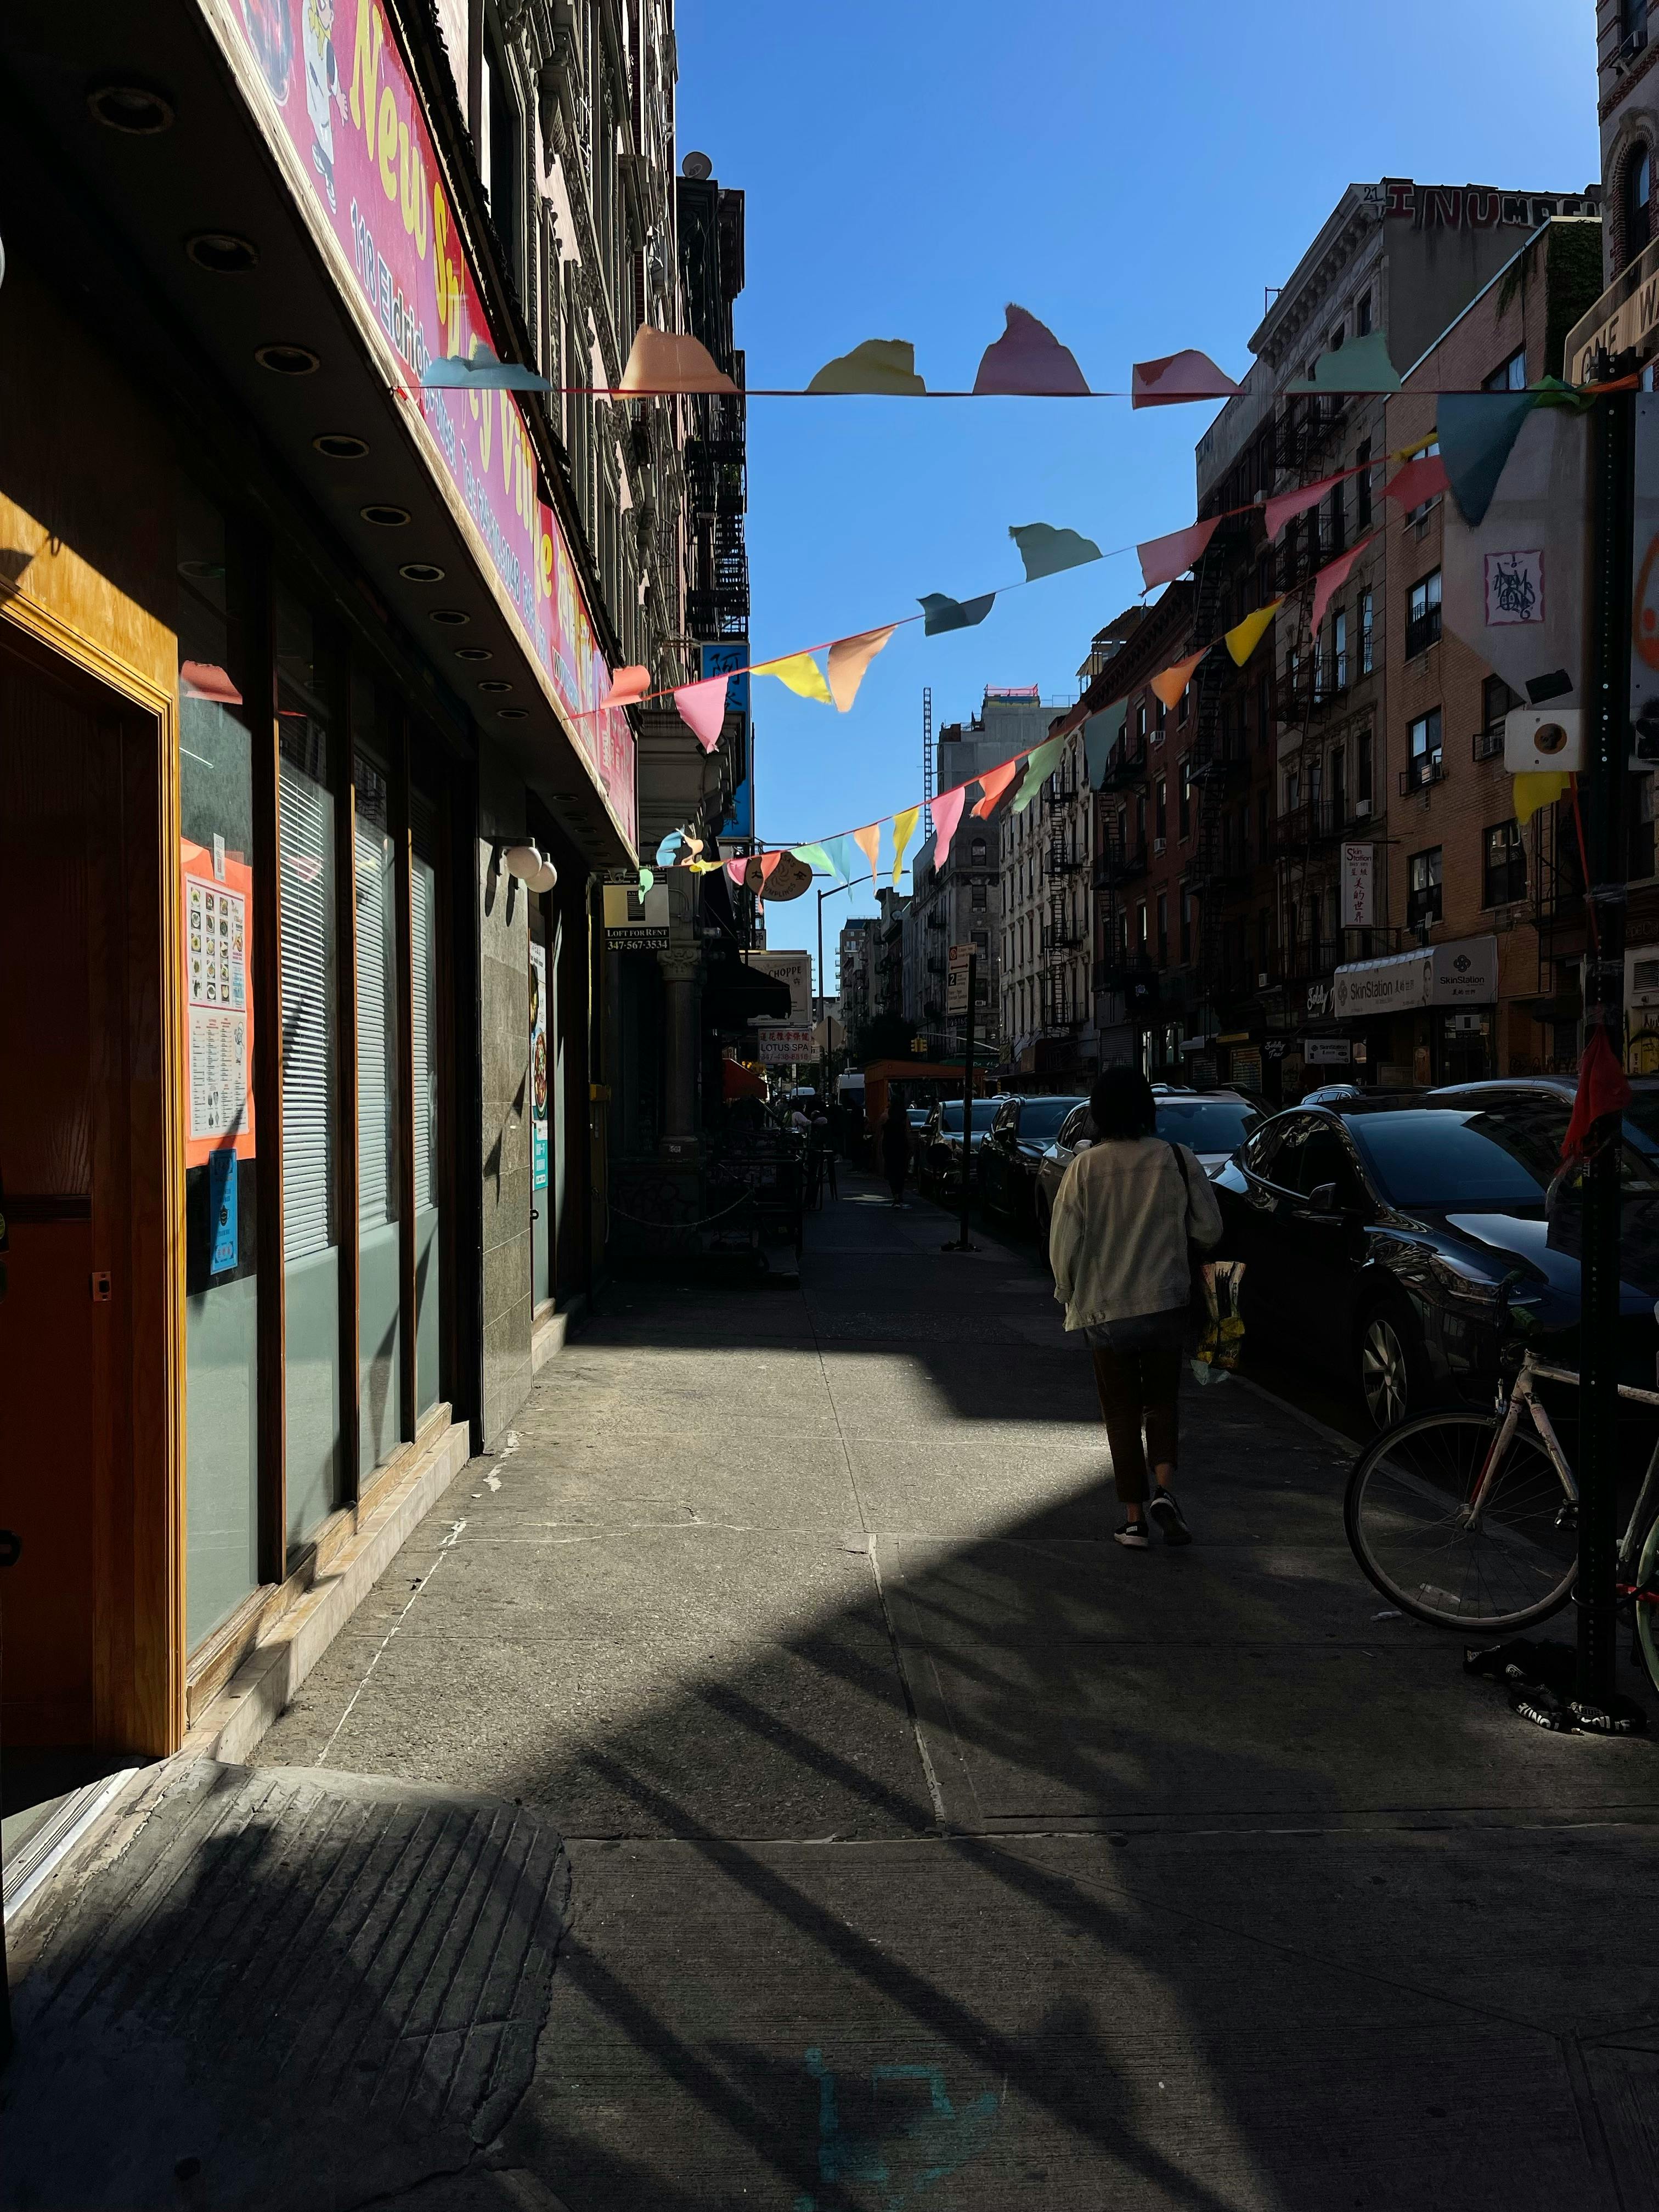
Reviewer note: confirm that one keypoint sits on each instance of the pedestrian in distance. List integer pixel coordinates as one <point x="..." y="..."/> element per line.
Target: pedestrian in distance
<point x="1126" y="1215"/>
<point x="895" y="1146"/>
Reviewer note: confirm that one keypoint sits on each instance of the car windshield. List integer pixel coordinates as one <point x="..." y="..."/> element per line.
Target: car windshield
<point x="1206" y="1125"/>
<point x="1040" y="1119"/>
<point x="950" y="1114"/>
<point x="1424" y="1156"/>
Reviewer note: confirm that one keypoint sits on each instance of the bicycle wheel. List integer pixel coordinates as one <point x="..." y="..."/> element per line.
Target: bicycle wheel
<point x="1647" y="1626"/>
<point x="1406" y="1514"/>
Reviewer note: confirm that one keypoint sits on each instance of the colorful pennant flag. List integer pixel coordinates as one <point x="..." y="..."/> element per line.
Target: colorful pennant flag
<point x="737" y="869"/>
<point x="484" y="372"/>
<point x="800" y="673"/>
<point x="1178" y="377"/>
<point x="1420" y="480"/>
<point x="1169" y="682"/>
<point x="947" y="812"/>
<point x="840" y="859"/>
<point x="1478" y="430"/>
<point x="1040" y="765"/>
<point x="868" y="840"/>
<point x="666" y="850"/>
<point x="1163" y="559"/>
<point x="703" y="708"/>
<point x="1537" y="788"/>
<point x="1362" y="365"/>
<point x="815" y="857"/>
<point x="1101" y="732"/>
<point x="849" y="657"/>
<point x="1276" y="512"/>
<point x="768" y="862"/>
<point x="628" y="687"/>
<point x="883" y="366"/>
<point x="646" y="881"/>
<point x="1331" y="579"/>
<point x="940" y="613"/>
<point x="905" y="829"/>
<point x="1242" y="639"/>
<point x="1029" y="360"/>
<point x="669" y="361"/>
<point x="1046" y="551"/>
<point x="993" y="782"/>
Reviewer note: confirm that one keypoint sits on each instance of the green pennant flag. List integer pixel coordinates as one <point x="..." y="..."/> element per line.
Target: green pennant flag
<point x="1039" y="768"/>
<point x="1477" y="432"/>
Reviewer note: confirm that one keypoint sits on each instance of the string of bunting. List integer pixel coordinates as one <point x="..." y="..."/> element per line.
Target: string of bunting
<point x="1465" y="456"/>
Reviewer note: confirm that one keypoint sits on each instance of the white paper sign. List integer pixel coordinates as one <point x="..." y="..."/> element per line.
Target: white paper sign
<point x="1515" y="587"/>
<point x="218" y="1071"/>
<point x="1359" y="894"/>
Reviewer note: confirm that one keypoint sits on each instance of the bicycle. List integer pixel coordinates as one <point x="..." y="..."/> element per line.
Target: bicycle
<point x="1468" y="1520"/>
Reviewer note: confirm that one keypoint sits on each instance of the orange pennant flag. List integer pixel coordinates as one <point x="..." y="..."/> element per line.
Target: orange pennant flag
<point x="868" y="842"/>
<point x="848" y="658"/>
<point x="994" y="782"/>
<point x="1171" y="682"/>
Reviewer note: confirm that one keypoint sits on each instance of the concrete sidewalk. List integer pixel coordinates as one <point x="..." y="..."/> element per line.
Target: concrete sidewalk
<point x="923" y="1846"/>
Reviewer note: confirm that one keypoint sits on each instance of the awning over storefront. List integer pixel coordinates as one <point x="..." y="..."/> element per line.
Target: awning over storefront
<point x="1462" y="973"/>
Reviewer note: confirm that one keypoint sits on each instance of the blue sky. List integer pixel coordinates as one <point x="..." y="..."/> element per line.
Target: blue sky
<point x="1135" y="175"/>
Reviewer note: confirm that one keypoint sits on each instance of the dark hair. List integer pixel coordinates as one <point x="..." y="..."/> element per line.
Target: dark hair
<point x="1120" y="1103"/>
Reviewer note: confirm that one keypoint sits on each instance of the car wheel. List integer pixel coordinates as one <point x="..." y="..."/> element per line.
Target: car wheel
<point x="1390" y="1364"/>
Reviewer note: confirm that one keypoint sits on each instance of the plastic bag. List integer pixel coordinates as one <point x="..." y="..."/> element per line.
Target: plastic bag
<point x="1221" y="1332"/>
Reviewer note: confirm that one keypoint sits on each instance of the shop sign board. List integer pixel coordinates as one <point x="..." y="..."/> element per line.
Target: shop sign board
<point x="1462" y="973"/>
<point x="337" y="103"/>
<point x="1358" y="892"/>
<point x="538" y="1067"/>
<point x="634" y="921"/>
<point x="783" y="1043"/>
<point x="794" y="969"/>
<point x="1325" y="1052"/>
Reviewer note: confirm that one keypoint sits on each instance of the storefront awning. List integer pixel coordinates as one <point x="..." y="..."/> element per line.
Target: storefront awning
<point x="1462" y="973"/>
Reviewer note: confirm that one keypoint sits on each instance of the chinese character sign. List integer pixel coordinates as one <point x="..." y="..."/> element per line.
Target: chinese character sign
<point x="337" y="91"/>
<point x="1358" y="903"/>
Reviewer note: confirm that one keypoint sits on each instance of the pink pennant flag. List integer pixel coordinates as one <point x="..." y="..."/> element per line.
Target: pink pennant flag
<point x="1178" y="376"/>
<point x="737" y="869"/>
<point x="848" y="658"/>
<point x="868" y="842"/>
<point x="1163" y="559"/>
<point x="1169" y="682"/>
<point x="947" y="812"/>
<point x="994" y="782"/>
<point x="702" y="708"/>
<point x="1424" y="479"/>
<point x="628" y="687"/>
<point x="1331" y="578"/>
<point x="1028" y="358"/>
<point x="1276" y="512"/>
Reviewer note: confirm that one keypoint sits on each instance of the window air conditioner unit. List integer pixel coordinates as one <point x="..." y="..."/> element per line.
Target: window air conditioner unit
<point x="1261" y="980"/>
<point x="1157" y="845"/>
<point x="1362" y="808"/>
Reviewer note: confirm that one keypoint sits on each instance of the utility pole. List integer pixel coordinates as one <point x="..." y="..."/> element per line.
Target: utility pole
<point x="1612" y="495"/>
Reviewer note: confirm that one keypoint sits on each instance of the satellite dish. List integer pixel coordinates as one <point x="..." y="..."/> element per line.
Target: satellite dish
<point x="697" y="167"/>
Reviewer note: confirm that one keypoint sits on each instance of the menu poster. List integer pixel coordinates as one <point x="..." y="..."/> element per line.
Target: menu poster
<point x="217" y="888"/>
<point x="538" y="1068"/>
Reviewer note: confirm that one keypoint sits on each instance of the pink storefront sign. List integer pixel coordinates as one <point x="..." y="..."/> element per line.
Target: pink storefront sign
<point x="332" y="83"/>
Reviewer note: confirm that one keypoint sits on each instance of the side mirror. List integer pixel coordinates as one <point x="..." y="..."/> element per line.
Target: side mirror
<point x="1321" y="1199"/>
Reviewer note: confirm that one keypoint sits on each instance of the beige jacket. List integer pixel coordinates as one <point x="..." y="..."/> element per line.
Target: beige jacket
<point x="1118" y="1240"/>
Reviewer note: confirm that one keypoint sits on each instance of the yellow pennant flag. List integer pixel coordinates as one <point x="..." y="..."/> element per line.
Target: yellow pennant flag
<point x="800" y="673"/>
<point x="1242" y="639"/>
<point x="1539" y="788"/>
<point x="905" y="829"/>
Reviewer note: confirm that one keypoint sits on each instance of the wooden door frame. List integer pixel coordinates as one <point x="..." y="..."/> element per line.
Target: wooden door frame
<point x="138" y="1662"/>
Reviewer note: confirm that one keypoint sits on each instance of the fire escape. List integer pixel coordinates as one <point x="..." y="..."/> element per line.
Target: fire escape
<point x="1062" y="932"/>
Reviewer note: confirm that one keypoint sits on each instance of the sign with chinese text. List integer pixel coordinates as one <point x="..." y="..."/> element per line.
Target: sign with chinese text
<point x="1358" y="892"/>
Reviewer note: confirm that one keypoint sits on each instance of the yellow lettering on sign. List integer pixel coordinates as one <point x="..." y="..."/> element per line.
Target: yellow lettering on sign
<point x="388" y="143"/>
<point x="366" y="71"/>
<point x="545" y="570"/>
<point x="507" y="441"/>
<point x="440" y="256"/>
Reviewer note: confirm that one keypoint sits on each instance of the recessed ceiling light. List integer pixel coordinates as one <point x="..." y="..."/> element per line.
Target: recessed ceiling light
<point x="133" y="108"/>
<point x="496" y="683"/>
<point x="384" y="518"/>
<point x="473" y="652"/>
<point x="222" y="252"/>
<point x="200" y="567"/>
<point x="512" y="714"/>
<point x="341" y="446"/>
<point x="453" y="617"/>
<point x="283" y="359"/>
<point x="424" y="572"/>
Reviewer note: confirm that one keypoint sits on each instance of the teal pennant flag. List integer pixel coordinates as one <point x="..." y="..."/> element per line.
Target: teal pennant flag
<point x="1046" y="550"/>
<point x="1478" y="431"/>
<point x="941" y="613"/>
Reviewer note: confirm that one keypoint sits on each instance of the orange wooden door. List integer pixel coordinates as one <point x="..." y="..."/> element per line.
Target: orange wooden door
<point x="61" y="1088"/>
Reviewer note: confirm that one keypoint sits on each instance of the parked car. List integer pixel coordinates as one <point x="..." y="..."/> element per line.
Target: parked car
<point x="938" y="1147"/>
<point x="1012" y="1152"/>
<point x="1399" y="1244"/>
<point x="1331" y="1094"/>
<point x="1211" y="1123"/>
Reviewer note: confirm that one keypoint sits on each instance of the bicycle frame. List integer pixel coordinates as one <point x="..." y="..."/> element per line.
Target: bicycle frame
<point x="1524" y="1395"/>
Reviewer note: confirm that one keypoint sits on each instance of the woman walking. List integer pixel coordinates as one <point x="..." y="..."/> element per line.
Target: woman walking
<point x="895" y="1145"/>
<point x="1123" y="1217"/>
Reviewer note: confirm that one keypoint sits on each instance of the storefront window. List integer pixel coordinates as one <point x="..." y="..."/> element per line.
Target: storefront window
<point x="424" y="1043"/>
<point x="309" y="951"/>
<point x="541" y="1035"/>
<point x="379" y="1264"/>
<point x="220" y="1201"/>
